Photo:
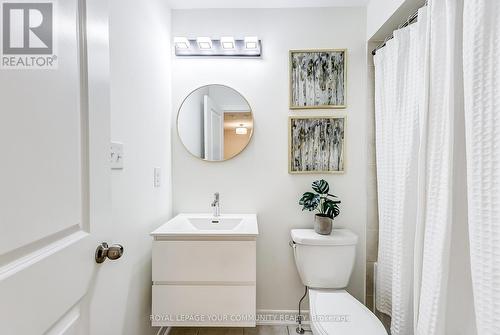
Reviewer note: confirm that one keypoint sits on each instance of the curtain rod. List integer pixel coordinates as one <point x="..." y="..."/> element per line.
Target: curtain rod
<point x="411" y="19"/>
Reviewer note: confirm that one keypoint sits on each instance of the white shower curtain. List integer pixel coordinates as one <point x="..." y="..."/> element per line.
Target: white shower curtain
<point x="437" y="86"/>
<point x="399" y="75"/>
<point x="436" y="176"/>
<point x="417" y="166"/>
<point x="481" y="47"/>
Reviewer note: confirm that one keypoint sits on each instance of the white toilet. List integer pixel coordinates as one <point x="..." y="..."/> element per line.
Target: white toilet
<point x="325" y="264"/>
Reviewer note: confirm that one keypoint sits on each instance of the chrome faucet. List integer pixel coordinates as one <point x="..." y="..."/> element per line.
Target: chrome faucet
<point x="216" y="205"/>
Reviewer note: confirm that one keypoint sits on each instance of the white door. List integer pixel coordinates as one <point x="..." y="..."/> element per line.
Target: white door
<point x="214" y="130"/>
<point x="54" y="177"/>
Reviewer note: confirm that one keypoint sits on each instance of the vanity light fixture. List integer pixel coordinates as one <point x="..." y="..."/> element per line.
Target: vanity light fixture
<point x="181" y="43"/>
<point x="227" y="42"/>
<point x="241" y="130"/>
<point x="251" y="42"/>
<point x="226" y="46"/>
<point x="204" y="43"/>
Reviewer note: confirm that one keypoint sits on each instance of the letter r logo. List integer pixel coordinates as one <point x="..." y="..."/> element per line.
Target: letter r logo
<point x="27" y="28"/>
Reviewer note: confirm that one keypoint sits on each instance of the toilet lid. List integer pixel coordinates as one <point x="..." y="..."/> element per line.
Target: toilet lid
<point x="336" y="312"/>
<point x="340" y="236"/>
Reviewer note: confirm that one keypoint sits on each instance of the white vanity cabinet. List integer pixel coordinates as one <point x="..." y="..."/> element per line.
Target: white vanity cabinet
<point x="204" y="271"/>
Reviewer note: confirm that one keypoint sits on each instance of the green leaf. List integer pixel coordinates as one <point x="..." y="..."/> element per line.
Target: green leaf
<point x="331" y="208"/>
<point x="309" y="201"/>
<point x="335" y="201"/>
<point x="321" y="186"/>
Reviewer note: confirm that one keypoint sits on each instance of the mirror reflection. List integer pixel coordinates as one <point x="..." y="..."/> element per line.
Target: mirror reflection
<point x="215" y="122"/>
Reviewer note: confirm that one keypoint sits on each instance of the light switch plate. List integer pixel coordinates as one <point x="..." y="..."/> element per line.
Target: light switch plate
<point x="116" y="155"/>
<point x="157" y="177"/>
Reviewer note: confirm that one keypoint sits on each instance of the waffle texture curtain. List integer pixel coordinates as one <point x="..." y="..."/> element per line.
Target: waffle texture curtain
<point x="427" y="187"/>
<point x="399" y="75"/>
<point x="439" y="164"/>
<point x="481" y="54"/>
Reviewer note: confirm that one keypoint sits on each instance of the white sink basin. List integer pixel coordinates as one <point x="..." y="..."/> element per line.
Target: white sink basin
<point x="207" y="225"/>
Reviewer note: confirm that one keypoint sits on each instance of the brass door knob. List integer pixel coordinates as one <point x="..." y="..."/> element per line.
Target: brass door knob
<point x="103" y="251"/>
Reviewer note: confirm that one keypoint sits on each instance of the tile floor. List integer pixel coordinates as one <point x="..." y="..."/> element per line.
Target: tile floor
<point x="259" y="330"/>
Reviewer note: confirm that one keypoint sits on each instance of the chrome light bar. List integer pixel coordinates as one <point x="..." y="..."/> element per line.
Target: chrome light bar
<point x="223" y="47"/>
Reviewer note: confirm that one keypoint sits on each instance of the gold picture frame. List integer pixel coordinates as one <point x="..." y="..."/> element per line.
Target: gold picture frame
<point x="294" y="106"/>
<point x="292" y="147"/>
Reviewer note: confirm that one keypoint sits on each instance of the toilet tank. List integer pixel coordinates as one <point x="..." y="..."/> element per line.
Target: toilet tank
<point x="324" y="261"/>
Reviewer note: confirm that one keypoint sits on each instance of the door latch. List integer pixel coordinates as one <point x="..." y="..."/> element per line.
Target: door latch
<point x="103" y="251"/>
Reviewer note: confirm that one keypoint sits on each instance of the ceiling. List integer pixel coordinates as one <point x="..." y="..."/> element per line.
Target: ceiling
<point x="192" y="4"/>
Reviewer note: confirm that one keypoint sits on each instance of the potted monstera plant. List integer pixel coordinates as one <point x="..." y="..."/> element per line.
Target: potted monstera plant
<point x="325" y="203"/>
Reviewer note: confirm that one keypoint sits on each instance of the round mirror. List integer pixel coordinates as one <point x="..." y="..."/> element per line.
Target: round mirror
<point x="215" y="122"/>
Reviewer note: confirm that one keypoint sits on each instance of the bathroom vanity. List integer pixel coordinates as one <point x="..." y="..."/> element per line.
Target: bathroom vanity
<point x="204" y="271"/>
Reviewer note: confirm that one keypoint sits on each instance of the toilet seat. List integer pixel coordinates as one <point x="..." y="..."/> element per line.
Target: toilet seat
<point x="336" y="312"/>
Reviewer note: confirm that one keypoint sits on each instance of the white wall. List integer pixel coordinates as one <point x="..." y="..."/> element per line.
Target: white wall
<point x="378" y="12"/>
<point x="140" y="118"/>
<point x="383" y="16"/>
<point x="257" y="180"/>
<point x="228" y="99"/>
